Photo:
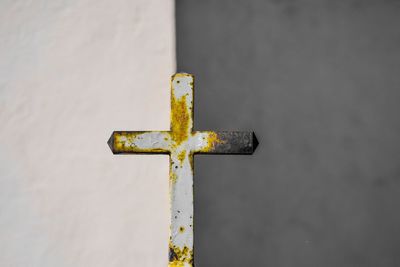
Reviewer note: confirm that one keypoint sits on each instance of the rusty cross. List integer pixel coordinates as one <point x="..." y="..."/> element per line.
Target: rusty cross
<point x="181" y="143"/>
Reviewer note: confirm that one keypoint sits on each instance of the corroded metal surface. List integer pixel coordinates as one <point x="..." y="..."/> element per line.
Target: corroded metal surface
<point x="181" y="143"/>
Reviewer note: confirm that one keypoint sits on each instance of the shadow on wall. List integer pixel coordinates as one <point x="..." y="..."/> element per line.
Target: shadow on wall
<point x="318" y="81"/>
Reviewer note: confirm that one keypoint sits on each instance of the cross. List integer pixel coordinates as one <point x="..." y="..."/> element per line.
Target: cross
<point x="181" y="143"/>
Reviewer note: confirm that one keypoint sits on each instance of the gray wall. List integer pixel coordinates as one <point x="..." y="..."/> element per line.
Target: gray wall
<point x="319" y="83"/>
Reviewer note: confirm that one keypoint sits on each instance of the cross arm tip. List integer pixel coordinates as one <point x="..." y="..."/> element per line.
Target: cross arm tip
<point x="110" y="143"/>
<point x="254" y="142"/>
<point x="248" y="143"/>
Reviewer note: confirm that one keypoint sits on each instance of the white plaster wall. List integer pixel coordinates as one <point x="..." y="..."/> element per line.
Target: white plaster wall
<point x="71" y="72"/>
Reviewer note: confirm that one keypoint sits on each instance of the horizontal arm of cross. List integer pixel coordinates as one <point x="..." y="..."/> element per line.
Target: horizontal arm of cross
<point x="227" y="142"/>
<point x="133" y="142"/>
<point x="202" y="142"/>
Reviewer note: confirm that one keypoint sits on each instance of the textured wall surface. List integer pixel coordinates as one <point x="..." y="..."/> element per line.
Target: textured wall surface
<point x="319" y="83"/>
<point x="71" y="72"/>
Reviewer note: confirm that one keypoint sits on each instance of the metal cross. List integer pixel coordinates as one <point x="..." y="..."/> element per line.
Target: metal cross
<point x="181" y="143"/>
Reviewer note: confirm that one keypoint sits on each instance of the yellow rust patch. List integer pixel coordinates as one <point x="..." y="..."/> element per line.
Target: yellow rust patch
<point x="180" y="256"/>
<point x="172" y="175"/>
<point x="180" y="116"/>
<point x="212" y="140"/>
<point x="176" y="264"/>
<point x="181" y="75"/>
<point x="181" y="229"/>
<point x="191" y="162"/>
<point x="181" y="156"/>
<point x="125" y="142"/>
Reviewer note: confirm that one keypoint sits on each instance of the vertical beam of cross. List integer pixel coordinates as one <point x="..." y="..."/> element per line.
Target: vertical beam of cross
<point x="181" y="143"/>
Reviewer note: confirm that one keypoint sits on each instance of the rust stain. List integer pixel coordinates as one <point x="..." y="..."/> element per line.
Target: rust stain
<point x="212" y="140"/>
<point x="181" y="156"/>
<point x="180" y="117"/>
<point x="180" y="256"/>
<point x="176" y="264"/>
<point x="182" y="75"/>
<point x="172" y="175"/>
<point x="191" y="162"/>
<point x="125" y="142"/>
